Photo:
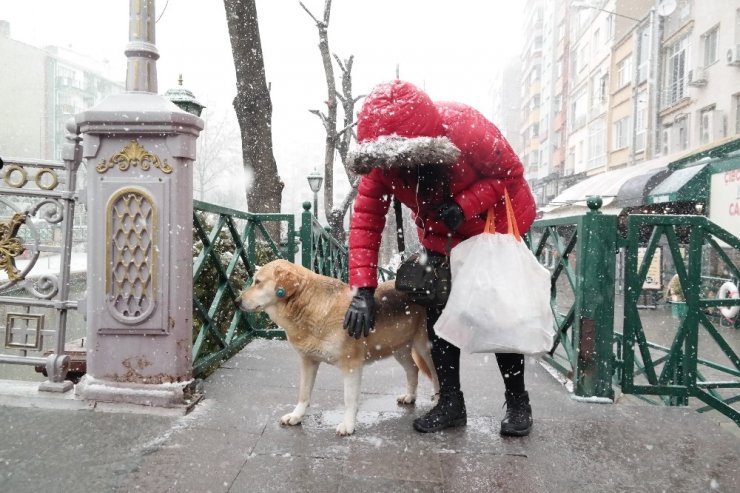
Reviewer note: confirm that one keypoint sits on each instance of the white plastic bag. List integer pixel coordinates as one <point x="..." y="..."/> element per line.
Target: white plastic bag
<point x="500" y="296"/>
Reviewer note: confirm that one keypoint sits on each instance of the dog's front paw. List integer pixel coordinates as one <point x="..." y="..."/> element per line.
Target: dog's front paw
<point x="345" y="429"/>
<point x="291" y="419"/>
<point x="406" y="399"/>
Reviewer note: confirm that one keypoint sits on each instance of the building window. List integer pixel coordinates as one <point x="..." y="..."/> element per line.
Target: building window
<point x="610" y="26"/>
<point x="709" y="40"/>
<point x="681" y="129"/>
<point x="596" y="144"/>
<point x="641" y="121"/>
<point x="604" y="84"/>
<point x="597" y="40"/>
<point x="621" y="133"/>
<point x="666" y="140"/>
<point x="643" y="56"/>
<point x="596" y="94"/>
<point x="570" y="163"/>
<point x="579" y="110"/>
<point x="573" y="66"/>
<point x="583" y="56"/>
<point x="674" y="88"/>
<point x="711" y="124"/>
<point x="624" y="71"/>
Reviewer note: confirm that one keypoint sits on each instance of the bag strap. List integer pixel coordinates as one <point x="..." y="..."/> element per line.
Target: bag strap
<point x="513" y="227"/>
<point x="399" y="226"/>
<point x="510" y="218"/>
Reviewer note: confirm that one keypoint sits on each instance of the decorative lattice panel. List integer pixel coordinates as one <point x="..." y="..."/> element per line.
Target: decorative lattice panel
<point x="131" y="256"/>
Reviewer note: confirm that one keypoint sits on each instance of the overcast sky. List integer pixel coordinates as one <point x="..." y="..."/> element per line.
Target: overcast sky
<point x="452" y="49"/>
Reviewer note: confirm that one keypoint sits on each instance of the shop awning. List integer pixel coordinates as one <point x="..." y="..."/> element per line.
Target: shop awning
<point x="683" y="185"/>
<point x="634" y="192"/>
<point x="607" y="185"/>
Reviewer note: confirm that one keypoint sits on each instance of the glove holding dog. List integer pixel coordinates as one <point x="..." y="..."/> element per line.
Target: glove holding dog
<point x="360" y="317"/>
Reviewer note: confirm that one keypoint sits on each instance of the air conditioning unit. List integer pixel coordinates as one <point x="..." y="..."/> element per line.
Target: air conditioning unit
<point x="733" y="56"/>
<point x="697" y="77"/>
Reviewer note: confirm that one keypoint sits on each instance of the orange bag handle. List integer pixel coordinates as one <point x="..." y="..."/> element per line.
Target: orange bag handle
<point x="513" y="227"/>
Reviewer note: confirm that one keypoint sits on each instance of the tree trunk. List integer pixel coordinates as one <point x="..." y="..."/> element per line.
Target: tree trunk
<point x="253" y="107"/>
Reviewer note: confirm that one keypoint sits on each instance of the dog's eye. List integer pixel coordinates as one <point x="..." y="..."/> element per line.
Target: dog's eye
<point x="256" y="281"/>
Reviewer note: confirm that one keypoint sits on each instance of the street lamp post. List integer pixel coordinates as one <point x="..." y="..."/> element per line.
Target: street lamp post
<point x="314" y="181"/>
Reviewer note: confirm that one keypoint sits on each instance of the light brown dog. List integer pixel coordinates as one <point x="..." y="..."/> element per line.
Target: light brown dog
<point x="311" y="308"/>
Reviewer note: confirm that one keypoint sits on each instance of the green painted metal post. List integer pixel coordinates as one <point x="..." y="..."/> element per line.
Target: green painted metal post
<point x="594" y="325"/>
<point x="692" y="292"/>
<point x="306" y="236"/>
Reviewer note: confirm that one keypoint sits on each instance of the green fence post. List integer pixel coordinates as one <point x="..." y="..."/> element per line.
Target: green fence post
<point x="306" y="236"/>
<point x="594" y="325"/>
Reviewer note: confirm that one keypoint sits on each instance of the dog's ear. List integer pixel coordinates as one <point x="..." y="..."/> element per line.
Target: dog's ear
<point x="287" y="282"/>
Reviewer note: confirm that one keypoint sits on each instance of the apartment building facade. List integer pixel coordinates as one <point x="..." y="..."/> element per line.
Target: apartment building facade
<point x="625" y="82"/>
<point x="507" y="102"/>
<point x="531" y="89"/>
<point x="47" y="87"/>
<point x="700" y="76"/>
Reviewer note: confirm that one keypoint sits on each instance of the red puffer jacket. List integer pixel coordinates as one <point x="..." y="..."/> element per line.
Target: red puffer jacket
<point x="475" y="178"/>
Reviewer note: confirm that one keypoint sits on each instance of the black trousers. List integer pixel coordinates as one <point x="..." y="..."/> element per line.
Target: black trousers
<point x="446" y="359"/>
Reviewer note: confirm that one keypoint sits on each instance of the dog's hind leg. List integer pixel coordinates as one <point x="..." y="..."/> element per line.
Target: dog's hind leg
<point x="352" y="381"/>
<point x="309" y="368"/>
<point x="422" y="350"/>
<point x="403" y="356"/>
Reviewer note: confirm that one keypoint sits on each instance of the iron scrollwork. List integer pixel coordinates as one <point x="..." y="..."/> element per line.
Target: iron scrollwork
<point x="10" y="245"/>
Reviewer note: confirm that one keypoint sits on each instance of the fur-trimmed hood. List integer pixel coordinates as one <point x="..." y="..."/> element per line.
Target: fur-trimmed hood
<point x="389" y="152"/>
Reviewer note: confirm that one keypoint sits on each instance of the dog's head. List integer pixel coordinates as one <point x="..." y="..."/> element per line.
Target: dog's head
<point x="273" y="283"/>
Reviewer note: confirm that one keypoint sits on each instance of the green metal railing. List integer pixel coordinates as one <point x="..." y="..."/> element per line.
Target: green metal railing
<point x="228" y="245"/>
<point x="321" y="252"/>
<point x="673" y="373"/>
<point x="581" y="253"/>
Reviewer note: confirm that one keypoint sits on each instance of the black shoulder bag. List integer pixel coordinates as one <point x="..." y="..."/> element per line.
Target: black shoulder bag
<point x="424" y="278"/>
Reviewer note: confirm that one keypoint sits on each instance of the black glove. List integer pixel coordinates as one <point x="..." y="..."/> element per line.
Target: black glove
<point x="451" y="214"/>
<point x="360" y="316"/>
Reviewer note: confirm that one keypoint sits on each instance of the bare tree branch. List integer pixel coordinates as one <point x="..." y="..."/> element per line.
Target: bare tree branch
<point x="336" y="141"/>
<point x="330" y="120"/>
<point x="318" y="22"/>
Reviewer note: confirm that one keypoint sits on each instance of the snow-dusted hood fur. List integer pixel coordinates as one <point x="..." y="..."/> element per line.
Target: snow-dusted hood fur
<point x="389" y="152"/>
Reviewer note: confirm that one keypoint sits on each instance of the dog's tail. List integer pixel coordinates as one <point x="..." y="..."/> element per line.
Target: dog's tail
<point x="421" y="364"/>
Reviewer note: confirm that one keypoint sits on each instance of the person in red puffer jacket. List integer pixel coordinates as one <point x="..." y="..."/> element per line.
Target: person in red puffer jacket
<point x="448" y="164"/>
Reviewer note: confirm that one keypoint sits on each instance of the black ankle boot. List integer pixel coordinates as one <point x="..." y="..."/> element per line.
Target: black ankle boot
<point x="518" y="419"/>
<point x="449" y="412"/>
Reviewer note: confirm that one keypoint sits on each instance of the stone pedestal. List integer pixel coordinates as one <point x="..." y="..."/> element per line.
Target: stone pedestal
<point x="139" y="149"/>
